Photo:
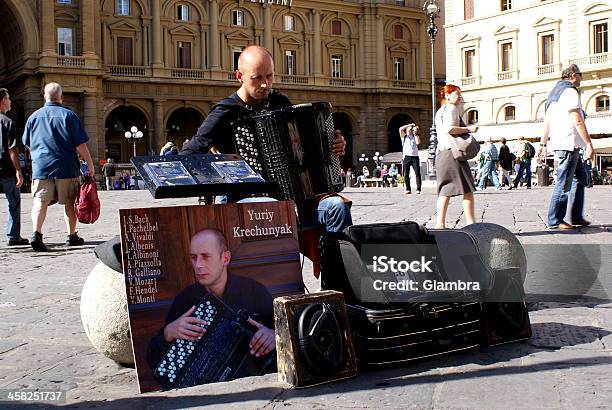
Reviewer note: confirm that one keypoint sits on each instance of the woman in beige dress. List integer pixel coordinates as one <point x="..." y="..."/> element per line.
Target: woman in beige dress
<point x="454" y="177"/>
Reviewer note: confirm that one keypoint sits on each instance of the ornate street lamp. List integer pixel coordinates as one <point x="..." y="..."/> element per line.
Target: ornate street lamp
<point x="134" y="135"/>
<point x="377" y="158"/>
<point x="432" y="10"/>
<point x="363" y="159"/>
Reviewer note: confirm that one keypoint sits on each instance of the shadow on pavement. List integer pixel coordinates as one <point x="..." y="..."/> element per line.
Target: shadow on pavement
<point x="591" y="229"/>
<point x="546" y="336"/>
<point x="537" y="301"/>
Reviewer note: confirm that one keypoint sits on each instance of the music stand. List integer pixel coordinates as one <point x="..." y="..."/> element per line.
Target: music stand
<point x="200" y="175"/>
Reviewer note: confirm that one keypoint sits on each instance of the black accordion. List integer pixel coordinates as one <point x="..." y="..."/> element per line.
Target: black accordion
<point x="293" y="147"/>
<point x="221" y="354"/>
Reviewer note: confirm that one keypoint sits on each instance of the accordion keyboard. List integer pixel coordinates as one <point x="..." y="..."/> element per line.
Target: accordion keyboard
<point x="213" y="357"/>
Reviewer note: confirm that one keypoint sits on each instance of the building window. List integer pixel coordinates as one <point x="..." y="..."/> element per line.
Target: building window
<point x="336" y="27"/>
<point x="236" y="51"/>
<point x="64" y="1"/>
<point x="469" y="59"/>
<point x="124" y="51"/>
<point x="290" y="62"/>
<point x="398" y="32"/>
<point x="472" y="117"/>
<point x="548" y="42"/>
<point x="182" y="12"/>
<point x="506" y="5"/>
<point x="337" y="69"/>
<point x="123" y="7"/>
<point x="506" y="57"/>
<point x="238" y="18"/>
<point x="398" y="68"/>
<point x="184" y="54"/>
<point x="600" y="38"/>
<point x="64" y="41"/>
<point x="289" y="23"/>
<point x="509" y="113"/>
<point x="400" y="2"/>
<point x="603" y="103"/>
<point x="468" y="9"/>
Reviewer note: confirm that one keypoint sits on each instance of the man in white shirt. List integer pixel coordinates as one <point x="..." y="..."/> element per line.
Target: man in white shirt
<point x="564" y="124"/>
<point x="410" y="136"/>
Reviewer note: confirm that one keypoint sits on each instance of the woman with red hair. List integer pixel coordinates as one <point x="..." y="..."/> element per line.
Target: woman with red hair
<point x="454" y="177"/>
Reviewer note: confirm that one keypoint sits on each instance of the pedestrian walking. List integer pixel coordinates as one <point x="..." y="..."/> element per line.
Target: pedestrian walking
<point x="453" y="177"/>
<point x="524" y="156"/>
<point x="491" y="156"/>
<point x="564" y="126"/>
<point x="506" y="159"/>
<point x="108" y="170"/>
<point x="11" y="176"/>
<point x="55" y="136"/>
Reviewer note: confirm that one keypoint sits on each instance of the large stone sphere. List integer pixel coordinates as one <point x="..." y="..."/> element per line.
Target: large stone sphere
<point x="499" y="248"/>
<point x="104" y="314"/>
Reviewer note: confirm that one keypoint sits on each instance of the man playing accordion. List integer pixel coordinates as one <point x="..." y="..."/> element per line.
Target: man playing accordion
<point x="330" y="212"/>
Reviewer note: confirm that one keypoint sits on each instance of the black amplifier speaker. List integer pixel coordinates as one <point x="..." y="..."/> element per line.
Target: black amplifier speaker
<point x="313" y="339"/>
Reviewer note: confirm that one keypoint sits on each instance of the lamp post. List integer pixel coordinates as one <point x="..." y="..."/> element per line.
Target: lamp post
<point x="432" y="10"/>
<point x="363" y="159"/>
<point x="177" y="129"/>
<point x="134" y="135"/>
<point x="377" y="158"/>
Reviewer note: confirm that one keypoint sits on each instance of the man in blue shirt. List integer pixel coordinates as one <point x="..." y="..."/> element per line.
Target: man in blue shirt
<point x="54" y="135"/>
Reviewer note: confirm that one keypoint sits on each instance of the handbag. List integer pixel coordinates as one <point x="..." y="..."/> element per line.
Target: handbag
<point x="464" y="146"/>
<point x="87" y="204"/>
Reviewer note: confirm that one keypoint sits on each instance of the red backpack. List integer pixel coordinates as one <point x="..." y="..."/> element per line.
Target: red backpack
<point x="87" y="204"/>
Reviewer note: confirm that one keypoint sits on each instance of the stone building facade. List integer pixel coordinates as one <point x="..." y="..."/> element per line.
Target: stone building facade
<point x="507" y="55"/>
<point x="160" y="65"/>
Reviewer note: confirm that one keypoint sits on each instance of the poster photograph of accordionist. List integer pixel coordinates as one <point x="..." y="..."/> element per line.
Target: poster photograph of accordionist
<point x="200" y="281"/>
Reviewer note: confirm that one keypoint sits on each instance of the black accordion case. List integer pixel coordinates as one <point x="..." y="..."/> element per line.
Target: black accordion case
<point x="393" y="328"/>
<point x="292" y="146"/>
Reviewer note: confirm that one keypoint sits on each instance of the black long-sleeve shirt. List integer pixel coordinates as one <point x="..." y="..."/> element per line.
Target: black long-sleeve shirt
<point x="216" y="130"/>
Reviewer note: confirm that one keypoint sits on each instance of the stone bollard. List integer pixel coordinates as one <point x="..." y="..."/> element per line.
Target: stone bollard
<point x="104" y="314"/>
<point x="499" y="248"/>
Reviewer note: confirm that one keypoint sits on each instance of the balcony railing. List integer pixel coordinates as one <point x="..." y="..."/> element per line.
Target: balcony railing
<point x="230" y="76"/>
<point x="600" y="58"/>
<point x="505" y="75"/>
<point x="127" y="70"/>
<point x="469" y="81"/>
<point x="71" y="61"/>
<point x="192" y="74"/>
<point x="547" y="69"/>
<point x="293" y="79"/>
<point x="342" y="82"/>
<point x="404" y="84"/>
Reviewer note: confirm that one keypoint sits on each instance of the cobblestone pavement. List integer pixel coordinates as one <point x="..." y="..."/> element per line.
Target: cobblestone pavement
<point x="566" y="364"/>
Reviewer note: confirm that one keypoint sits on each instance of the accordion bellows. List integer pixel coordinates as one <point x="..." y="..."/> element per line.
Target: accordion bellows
<point x="293" y="147"/>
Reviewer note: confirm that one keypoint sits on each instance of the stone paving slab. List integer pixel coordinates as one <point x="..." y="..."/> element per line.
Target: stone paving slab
<point x="566" y="364"/>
